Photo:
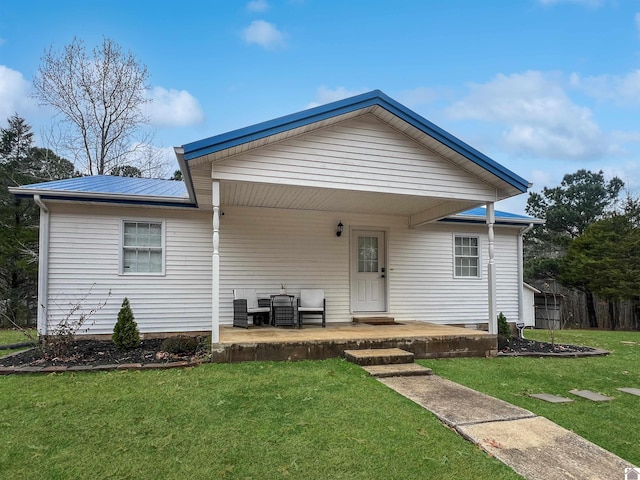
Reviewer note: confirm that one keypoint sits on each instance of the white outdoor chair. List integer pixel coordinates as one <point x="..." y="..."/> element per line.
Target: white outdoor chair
<point x="311" y="301"/>
<point x="245" y="305"/>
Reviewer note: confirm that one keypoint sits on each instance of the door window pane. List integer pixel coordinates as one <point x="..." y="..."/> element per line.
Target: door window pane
<point x="367" y="254"/>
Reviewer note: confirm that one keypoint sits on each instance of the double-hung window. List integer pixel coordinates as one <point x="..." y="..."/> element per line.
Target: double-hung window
<point x="142" y="247"/>
<point x="466" y="256"/>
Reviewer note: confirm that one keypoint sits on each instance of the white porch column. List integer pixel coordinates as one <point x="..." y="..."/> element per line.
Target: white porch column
<point x="491" y="270"/>
<point x="43" y="267"/>
<point x="215" y="266"/>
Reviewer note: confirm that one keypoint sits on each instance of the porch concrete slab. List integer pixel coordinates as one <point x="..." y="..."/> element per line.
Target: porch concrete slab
<point x="399" y="370"/>
<point x="378" y="356"/>
<point x="632" y="391"/>
<point x="547" y="397"/>
<point x="589" y="395"/>
<point x="537" y="448"/>
<point x="452" y="403"/>
<point x="342" y="331"/>
<point x="424" y="340"/>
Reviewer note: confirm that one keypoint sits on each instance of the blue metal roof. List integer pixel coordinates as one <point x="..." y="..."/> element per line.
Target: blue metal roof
<point x="479" y="215"/>
<point x="149" y="191"/>
<point x="376" y="97"/>
<point x="111" y="188"/>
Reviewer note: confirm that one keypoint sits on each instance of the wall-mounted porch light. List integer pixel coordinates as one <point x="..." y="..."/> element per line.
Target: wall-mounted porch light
<point x="339" y="230"/>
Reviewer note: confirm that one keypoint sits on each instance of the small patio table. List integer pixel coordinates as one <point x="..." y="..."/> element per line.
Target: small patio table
<point x="282" y="310"/>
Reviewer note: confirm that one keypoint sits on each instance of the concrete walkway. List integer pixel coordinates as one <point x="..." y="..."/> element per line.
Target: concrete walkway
<point x="533" y="446"/>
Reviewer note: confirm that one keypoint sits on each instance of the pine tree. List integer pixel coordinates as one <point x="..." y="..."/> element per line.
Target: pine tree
<point x="125" y="332"/>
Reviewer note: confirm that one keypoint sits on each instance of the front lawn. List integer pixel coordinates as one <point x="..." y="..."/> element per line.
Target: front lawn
<point x="11" y="336"/>
<point x="612" y="425"/>
<point x="303" y="420"/>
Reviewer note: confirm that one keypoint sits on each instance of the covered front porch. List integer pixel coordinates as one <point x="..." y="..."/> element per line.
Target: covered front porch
<point x="281" y="193"/>
<point x="424" y="340"/>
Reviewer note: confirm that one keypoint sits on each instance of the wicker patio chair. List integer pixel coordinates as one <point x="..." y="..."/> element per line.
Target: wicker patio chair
<point x="245" y="305"/>
<point x="311" y="301"/>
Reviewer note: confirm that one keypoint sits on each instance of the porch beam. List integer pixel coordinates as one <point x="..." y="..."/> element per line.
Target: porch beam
<point x="491" y="270"/>
<point x="443" y="209"/>
<point x="215" y="265"/>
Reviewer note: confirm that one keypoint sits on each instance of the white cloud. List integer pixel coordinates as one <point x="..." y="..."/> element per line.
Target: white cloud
<point x="173" y="108"/>
<point x="540" y="119"/>
<point x="14" y="94"/>
<point x="326" y="95"/>
<point x="619" y="89"/>
<point x="264" y="34"/>
<point x="257" y="6"/>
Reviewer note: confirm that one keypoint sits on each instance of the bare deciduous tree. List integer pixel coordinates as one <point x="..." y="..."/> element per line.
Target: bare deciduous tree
<point x="99" y="100"/>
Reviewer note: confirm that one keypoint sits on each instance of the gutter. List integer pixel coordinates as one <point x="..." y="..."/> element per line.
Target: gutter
<point x="521" y="272"/>
<point x="43" y="266"/>
<point x="28" y="192"/>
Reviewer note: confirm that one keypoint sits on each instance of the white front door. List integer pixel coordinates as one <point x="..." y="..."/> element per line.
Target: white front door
<point x="368" y="277"/>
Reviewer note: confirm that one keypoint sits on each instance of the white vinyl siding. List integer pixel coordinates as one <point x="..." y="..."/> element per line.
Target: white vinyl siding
<point x="142" y="247"/>
<point x="362" y="154"/>
<point x="466" y="256"/>
<point x="85" y="256"/>
<point x="422" y="285"/>
<point x="262" y="249"/>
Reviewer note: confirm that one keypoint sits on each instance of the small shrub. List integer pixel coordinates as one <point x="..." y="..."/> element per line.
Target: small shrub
<point x="503" y="327"/>
<point x="181" y="344"/>
<point x="125" y="332"/>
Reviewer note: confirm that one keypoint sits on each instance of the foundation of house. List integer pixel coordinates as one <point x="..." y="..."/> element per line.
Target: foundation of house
<point x="424" y="340"/>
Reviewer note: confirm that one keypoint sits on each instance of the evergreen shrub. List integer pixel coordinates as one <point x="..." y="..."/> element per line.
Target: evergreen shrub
<point x="125" y="332"/>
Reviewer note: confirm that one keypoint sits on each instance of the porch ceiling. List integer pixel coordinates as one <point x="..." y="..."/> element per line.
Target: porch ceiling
<point x="262" y="195"/>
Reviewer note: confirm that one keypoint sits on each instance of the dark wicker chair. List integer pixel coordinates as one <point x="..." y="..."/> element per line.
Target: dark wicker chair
<point x="245" y="305"/>
<point x="312" y="301"/>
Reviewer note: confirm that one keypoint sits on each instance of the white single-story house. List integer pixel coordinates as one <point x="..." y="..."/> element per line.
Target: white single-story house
<point x="260" y="207"/>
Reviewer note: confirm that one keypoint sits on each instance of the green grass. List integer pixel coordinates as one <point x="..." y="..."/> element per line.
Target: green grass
<point x="306" y="420"/>
<point x="612" y="425"/>
<point x="8" y="337"/>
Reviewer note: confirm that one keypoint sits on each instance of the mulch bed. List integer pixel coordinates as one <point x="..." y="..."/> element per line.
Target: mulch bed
<point x="515" y="346"/>
<point x="94" y="352"/>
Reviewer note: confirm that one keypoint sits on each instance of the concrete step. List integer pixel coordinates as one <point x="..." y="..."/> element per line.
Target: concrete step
<point x="384" y="320"/>
<point x="399" y="370"/>
<point x="378" y="356"/>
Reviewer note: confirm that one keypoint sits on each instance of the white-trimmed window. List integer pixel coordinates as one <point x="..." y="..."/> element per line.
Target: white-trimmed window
<point x="142" y="247"/>
<point x="466" y="254"/>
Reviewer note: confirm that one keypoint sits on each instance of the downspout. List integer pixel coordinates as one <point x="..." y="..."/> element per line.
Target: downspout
<point x="521" y="272"/>
<point x="43" y="266"/>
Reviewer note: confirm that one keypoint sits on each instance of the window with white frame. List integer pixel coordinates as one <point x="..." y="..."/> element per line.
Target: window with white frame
<point x="142" y="247"/>
<point x="466" y="256"/>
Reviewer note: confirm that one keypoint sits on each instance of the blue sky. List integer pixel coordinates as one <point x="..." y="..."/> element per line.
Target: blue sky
<point x="544" y="87"/>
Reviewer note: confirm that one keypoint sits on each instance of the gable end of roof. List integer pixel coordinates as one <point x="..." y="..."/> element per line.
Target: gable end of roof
<point x="374" y="98"/>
